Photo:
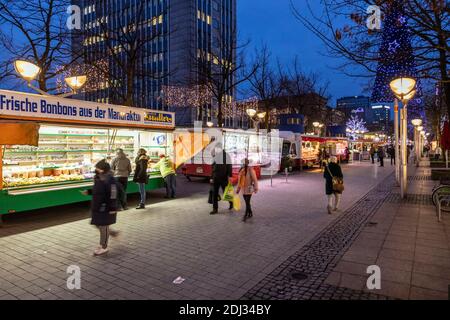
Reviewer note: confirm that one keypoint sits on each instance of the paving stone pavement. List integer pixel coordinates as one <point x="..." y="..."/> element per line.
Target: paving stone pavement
<point x="219" y="256"/>
<point x="320" y="256"/>
<point x="401" y="236"/>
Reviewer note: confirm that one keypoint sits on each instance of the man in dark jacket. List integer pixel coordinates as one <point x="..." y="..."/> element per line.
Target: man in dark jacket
<point x="141" y="176"/>
<point x="381" y="155"/>
<point x="121" y="166"/>
<point x="104" y="204"/>
<point x="221" y="175"/>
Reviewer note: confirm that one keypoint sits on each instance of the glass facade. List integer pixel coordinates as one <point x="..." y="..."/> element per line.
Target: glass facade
<point x="165" y="32"/>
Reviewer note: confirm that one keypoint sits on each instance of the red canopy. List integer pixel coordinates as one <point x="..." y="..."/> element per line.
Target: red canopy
<point x="445" y="137"/>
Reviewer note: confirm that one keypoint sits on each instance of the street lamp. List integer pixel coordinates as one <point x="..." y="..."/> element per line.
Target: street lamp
<point x="251" y="112"/>
<point x="404" y="90"/>
<point x="29" y="71"/>
<point x="76" y="83"/>
<point x="416" y="123"/>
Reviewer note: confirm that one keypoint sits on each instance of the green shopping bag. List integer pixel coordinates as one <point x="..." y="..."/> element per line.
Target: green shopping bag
<point x="228" y="193"/>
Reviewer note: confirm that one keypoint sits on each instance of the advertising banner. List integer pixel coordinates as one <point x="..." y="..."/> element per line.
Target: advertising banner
<point x="27" y="106"/>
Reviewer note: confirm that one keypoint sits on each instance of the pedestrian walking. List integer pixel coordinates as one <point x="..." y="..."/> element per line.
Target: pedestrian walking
<point x="381" y="155"/>
<point x="332" y="172"/>
<point x="408" y="153"/>
<point x="248" y="183"/>
<point x="167" y="169"/>
<point x="437" y="153"/>
<point x="391" y="153"/>
<point x="104" y="204"/>
<point x="347" y="154"/>
<point x="141" y="176"/>
<point x="121" y="166"/>
<point x="372" y="153"/>
<point x="221" y="175"/>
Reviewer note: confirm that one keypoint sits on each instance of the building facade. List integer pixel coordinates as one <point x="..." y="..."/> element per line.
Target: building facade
<point x="381" y="116"/>
<point x="161" y="41"/>
<point x="355" y="105"/>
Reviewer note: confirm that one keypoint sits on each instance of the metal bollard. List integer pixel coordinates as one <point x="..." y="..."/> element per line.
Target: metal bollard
<point x="286" y="172"/>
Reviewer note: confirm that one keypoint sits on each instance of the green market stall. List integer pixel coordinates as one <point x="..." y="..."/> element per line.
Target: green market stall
<point x="72" y="136"/>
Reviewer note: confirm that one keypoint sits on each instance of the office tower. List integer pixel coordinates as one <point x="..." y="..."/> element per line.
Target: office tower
<point x="169" y="37"/>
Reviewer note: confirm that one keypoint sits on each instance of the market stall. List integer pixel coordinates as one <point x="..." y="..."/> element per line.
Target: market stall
<point x="263" y="151"/>
<point x="73" y="135"/>
<point x="306" y="150"/>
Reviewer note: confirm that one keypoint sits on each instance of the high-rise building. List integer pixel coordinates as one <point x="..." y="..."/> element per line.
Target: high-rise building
<point x="355" y="105"/>
<point x="381" y="113"/>
<point x="170" y="36"/>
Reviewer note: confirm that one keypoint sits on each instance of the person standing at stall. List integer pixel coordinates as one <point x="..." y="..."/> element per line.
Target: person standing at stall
<point x="222" y="171"/>
<point x="248" y="183"/>
<point x="121" y="166"/>
<point x="104" y="204"/>
<point x="372" y="154"/>
<point x="332" y="171"/>
<point x="391" y="153"/>
<point x="167" y="169"/>
<point x="381" y="155"/>
<point x="437" y="153"/>
<point x="141" y="176"/>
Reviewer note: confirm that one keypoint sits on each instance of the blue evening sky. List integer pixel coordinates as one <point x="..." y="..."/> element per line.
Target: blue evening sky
<point x="272" y="22"/>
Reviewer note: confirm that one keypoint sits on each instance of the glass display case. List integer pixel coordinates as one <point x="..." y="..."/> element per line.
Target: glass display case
<point x="67" y="154"/>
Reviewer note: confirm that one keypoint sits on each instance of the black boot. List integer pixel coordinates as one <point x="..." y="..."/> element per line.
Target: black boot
<point x="213" y="212"/>
<point x="141" y="206"/>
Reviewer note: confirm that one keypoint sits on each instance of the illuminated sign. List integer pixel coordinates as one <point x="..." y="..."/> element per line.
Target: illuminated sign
<point x="159" y="117"/>
<point x="19" y="105"/>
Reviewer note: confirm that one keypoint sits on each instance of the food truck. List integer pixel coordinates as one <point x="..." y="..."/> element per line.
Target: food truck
<point x="73" y="135"/>
<point x="301" y="150"/>
<point x="262" y="149"/>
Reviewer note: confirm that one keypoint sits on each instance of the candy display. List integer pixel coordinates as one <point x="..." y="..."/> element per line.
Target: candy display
<point x="68" y="155"/>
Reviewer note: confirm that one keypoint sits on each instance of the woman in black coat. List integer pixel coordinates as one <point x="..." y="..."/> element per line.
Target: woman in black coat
<point x="104" y="204"/>
<point x="333" y="169"/>
<point x="141" y="176"/>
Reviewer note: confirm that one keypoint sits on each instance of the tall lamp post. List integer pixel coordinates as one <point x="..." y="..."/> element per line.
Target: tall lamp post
<point x="257" y="118"/>
<point x="29" y="71"/>
<point x="404" y="89"/>
<point x="416" y="123"/>
<point x="317" y="127"/>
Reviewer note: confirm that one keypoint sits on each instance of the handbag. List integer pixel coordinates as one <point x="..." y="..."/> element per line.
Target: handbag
<point x="338" y="183"/>
<point x="211" y="196"/>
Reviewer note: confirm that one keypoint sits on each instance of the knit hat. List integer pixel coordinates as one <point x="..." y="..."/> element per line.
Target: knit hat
<point x="103" y="165"/>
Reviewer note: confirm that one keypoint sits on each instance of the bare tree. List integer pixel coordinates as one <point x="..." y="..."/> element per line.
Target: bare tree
<point x="266" y="83"/>
<point x="195" y="96"/>
<point x="119" y="51"/>
<point x="35" y="31"/>
<point x="341" y="25"/>
<point x="306" y="93"/>
<point x="223" y="69"/>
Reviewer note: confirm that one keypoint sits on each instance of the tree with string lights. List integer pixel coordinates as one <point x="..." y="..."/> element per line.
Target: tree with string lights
<point x="355" y="127"/>
<point x="396" y="58"/>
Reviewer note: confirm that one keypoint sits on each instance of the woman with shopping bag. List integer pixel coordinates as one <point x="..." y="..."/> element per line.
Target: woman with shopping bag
<point x="334" y="184"/>
<point x="248" y="183"/>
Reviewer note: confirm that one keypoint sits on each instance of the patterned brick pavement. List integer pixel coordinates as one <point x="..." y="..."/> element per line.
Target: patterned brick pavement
<point x="219" y="256"/>
<point x="320" y="256"/>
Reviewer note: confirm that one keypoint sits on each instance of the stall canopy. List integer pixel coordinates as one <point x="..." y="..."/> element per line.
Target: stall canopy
<point x="19" y="133"/>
